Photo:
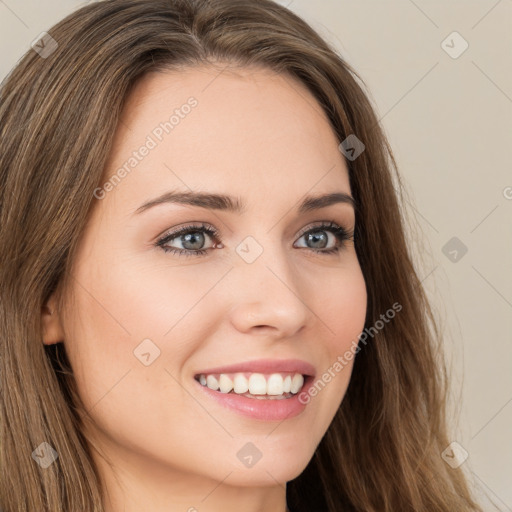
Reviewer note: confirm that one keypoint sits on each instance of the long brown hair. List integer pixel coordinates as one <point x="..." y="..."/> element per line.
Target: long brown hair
<point x="58" y="113"/>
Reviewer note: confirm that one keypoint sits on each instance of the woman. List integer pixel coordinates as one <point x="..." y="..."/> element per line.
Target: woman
<point x="207" y="298"/>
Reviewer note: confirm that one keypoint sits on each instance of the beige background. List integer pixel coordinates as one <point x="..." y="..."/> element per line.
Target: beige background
<point x="449" y="121"/>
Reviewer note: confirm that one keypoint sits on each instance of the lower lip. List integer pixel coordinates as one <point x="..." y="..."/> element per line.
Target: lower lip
<point x="266" y="409"/>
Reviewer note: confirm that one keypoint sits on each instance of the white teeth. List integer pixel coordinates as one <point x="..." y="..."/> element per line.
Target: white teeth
<point x="297" y="382"/>
<point x="241" y="384"/>
<point x="212" y="382"/>
<point x="275" y="384"/>
<point x="225" y="383"/>
<point x="287" y="384"/>
<point x="257" y="384"/>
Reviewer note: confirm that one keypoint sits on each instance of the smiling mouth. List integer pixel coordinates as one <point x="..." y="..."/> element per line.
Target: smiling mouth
<point x="260" y="386"/>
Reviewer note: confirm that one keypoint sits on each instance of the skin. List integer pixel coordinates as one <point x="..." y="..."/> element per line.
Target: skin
<point x="263" y="138"/>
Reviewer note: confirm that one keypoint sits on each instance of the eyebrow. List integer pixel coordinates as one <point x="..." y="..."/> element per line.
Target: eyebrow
<point x="234" y="204"/>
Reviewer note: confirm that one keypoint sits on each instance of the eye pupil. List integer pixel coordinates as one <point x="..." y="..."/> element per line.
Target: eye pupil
<point x="191" y="237"/>
<point x="314" y="237"/>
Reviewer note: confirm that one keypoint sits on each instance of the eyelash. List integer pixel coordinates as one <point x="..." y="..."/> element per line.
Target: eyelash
<point x="339" y="232"/>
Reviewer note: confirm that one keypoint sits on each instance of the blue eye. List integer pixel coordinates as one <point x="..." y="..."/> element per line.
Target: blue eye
<point x="318" y="235"/>
<point x="192" y="238"/>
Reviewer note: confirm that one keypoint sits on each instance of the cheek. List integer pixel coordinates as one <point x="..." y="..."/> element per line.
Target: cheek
<point x="341" y="307"/>
<point x="123" y="364"/>
<point x="129" y="314"/>
<point x="154" y="299"/>
<point x="146" y="408"/>
<point x="341" y="304"/>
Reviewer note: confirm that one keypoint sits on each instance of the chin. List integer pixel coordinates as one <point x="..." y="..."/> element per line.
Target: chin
<point x="275" y="470"/>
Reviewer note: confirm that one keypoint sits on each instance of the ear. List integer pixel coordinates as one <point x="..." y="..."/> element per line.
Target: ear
<point x="51" y="322"/>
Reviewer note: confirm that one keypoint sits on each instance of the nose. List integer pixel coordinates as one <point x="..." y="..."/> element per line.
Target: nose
<point x="268" y="295"/>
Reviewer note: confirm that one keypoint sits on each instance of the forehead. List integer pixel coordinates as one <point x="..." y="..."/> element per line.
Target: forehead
<point x="248" y="130"/>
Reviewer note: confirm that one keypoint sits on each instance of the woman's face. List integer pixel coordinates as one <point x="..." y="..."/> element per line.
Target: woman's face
<point x="145" y="321"/>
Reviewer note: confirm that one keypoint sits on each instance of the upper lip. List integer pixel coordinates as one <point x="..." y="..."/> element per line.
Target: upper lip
<point x="265" y="366"/>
